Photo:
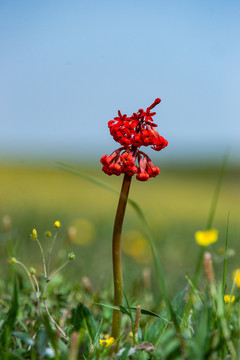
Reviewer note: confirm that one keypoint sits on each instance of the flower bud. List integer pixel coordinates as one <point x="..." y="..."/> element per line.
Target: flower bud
<point x="34" y="234"/>
<point x="12" y="260"/>
<point x="137" y="320"/>
<point x="48" y="234"/>
<point x="208" y="268"/>
<point x="32" y="271"/>
<point x="57" y="224"/>
<point x="71" y="256"/>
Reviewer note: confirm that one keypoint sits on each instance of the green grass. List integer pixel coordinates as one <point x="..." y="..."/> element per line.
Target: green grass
<point x="175" y="205"/>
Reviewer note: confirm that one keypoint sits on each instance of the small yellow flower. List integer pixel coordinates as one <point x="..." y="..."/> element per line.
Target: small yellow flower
<point x="236" y="277"/>
<point x="205" y="238"/>
<point x="229" y="298"/>
<point x="12" y="260"/>
<point x="57" y="224"/>
<point x="108" y="341"/>
<point x="34" y="234"/>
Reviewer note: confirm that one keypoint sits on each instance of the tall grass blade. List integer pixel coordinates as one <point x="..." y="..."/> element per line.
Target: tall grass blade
<point x="128" y="307"/>
<point x="211" y="215"/>
<point x="216" y="193"/>
<point x="97" y="336"/>
<point x="76" y="171"/>
<point x="225" y="258"/>
<point x="11" y="317"/>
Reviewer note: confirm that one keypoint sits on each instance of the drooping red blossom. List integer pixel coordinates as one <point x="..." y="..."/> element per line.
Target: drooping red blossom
<point x="137" y="130"/>
<point x="132" y="133"/>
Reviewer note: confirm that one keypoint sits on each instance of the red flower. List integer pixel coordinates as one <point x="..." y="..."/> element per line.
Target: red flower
<point x="132" y="133"/>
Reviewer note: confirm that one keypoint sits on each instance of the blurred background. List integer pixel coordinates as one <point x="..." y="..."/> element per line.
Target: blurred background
<point x="66" y="68"/>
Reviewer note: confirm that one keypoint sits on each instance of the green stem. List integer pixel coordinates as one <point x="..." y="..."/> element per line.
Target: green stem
<point x="43" y="257"/>
<point x="116" y="255"/>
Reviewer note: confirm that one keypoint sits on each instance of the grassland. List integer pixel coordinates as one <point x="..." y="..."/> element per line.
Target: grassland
<point x="176" y="204"/>
<point x="196" y="324"/>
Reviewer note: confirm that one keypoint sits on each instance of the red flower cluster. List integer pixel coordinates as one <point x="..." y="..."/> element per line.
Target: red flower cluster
<point x="137" y="130"/>
<point x="133" y="132"/>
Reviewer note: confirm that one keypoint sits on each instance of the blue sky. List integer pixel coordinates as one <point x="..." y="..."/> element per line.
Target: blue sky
<point x="66" y="67"/>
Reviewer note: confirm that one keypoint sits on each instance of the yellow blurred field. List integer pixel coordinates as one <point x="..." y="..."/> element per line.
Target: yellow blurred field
<point x="176" y="204"/>
<point x="181" y="195"/>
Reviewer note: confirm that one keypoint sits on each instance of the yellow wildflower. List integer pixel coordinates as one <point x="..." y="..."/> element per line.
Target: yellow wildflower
<point x="57" y="224"/>
<point x="205" y="238"/>
<point x="108" y="341"/>
<point x="34" y="234"/>
<point x="229" y="298"/>
<point x="236" y="277"/>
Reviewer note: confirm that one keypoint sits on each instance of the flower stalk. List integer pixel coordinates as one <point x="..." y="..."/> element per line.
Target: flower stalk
<point x="131" y="133"/>
<point x="117" y="256"/>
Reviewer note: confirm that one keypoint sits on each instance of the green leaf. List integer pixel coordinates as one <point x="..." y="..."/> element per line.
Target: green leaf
<point x="10" y="356"/>
<point x="143" y="311"/>
<point x="42" y="341"/>
<point x="97" y="336"/>
<point x="169" y="344"/>
<point x="112" y="307"/>
<point x="194" y="289"/>
<point x="10" y="318"/>
<point x="83" y="318"/>
<point x="124" y="352"/>
<point x="155" y="331"/>
<point x="23" y="337"/>
<point x="151" y="313"/>
<point x="125" y="311"/>
<point x="201" y="336"/>
<point x="51" y="335"/>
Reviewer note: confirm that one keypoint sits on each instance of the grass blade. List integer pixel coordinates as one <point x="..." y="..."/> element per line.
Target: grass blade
<point x="211" y="215"/>
<point x="225" y="259"/>
<point x="10" y="318"/>
<point x="216" y="193"/>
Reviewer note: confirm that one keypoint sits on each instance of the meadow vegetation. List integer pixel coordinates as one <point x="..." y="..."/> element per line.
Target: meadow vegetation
<point x="176" y="204"/>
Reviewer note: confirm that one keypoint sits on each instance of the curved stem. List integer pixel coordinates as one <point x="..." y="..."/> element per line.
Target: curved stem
<point x="43" y="257"/>
<point x="116" y="254"/>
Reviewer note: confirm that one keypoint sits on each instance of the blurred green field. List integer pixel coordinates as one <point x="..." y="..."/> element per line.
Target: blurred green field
<point x="176" y="204"/>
